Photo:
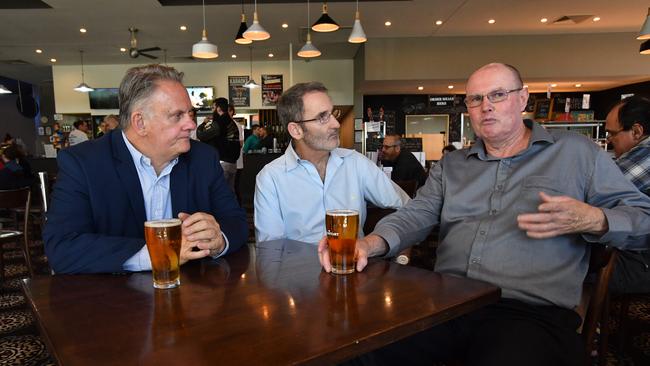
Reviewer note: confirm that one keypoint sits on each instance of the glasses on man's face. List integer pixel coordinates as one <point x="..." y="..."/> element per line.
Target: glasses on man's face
<point x="386" y="147"/>
<point x="495" y="96"/>
<point x="612" y="134"/>
<point x="324" y="117"/>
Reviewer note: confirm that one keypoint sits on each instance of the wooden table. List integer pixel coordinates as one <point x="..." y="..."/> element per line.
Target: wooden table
<point x="269" y="304"/>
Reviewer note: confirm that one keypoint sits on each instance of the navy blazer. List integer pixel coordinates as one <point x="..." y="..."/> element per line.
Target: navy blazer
<point x="97" y="215"/>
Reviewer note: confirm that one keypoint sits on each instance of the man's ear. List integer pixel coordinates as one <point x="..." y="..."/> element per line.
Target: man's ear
<point x="524" y="99"/>
<point x="638" y="133"/>
<point x="138" y="124"/>
<point x="295" y="130"/>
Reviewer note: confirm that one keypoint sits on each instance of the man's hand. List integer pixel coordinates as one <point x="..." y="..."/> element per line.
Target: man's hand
<point x="559" y="215"/>
<point x="202" y="231"/>
<point x="370" y="246"/>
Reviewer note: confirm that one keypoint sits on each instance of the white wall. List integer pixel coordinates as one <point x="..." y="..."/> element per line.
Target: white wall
<point x="337" y="75"/>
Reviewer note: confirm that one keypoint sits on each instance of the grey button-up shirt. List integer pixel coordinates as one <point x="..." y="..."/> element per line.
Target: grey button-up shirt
<point x="476" y="199"/>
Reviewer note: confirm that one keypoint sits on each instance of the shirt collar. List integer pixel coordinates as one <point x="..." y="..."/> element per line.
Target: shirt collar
<point x="292" y="160"/>
<point x="643" y="144"/>
<point x="538" y="135"/>
<point x="143" y="161"/>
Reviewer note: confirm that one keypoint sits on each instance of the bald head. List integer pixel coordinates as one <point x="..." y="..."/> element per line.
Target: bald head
<point x="514" y="73"/>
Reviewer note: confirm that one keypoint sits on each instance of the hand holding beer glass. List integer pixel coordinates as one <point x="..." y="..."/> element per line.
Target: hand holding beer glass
<point x="163" y="238"/>
<point x="342" y="227"/>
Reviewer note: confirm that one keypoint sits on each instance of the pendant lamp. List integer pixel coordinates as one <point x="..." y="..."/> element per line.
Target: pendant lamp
<point x="325" y="23"/>
<point x="83" y="87"/>
<point x="256" y="32"/>
<point x="239" y="38"/>
<point x="251" y="84"/>
<point x="357" y="35"/>
<point x="645" y="48"/>
<point x="308" y="50"/>
<point x="203" y="48"/>
<point x="644" y="33"/>
<point x="4" y="90"/>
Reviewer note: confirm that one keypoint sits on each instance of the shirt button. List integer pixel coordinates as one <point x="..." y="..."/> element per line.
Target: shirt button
<point x="482" y="232"/>
<point x="476" y="260"/>
<point x="493" y="212"/>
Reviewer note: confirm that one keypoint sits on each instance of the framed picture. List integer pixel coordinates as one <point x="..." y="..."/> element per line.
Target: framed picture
<point x="542" y="109"/>
<point x="358" y="123"/>
<point x="358" y="136"/>
<point x="48" y="130"/>
<point x="41" y="131"/>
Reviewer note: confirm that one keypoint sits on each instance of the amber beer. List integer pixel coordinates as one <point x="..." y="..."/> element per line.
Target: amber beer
<point x="342" y="227"/>
<point x="163" y="239"/>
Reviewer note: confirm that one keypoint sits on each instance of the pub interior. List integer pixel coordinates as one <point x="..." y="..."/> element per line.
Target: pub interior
<point x="404" y="72"/>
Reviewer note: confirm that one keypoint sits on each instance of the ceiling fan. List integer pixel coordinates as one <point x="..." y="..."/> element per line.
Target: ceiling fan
<point x="134" y="52"/>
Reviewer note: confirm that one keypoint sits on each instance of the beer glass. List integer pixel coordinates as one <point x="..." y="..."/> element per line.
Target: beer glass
<point x="342" y="227"/>
<point x="163" y="239"/>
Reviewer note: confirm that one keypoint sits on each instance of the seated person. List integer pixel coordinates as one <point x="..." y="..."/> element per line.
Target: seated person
<point x="448" y="149"/>
<point x="266" y="139"/>
<point x="252" y="142"/>
<point x="293" y="192"/>
<point x="15" y="172"/>
<point x="148" y="169"/>
<point x="518" y="210"/>
<point x="405" y="165"/>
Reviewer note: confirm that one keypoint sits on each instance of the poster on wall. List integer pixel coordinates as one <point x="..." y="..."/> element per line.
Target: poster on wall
<point x="271" y="89"/>
<point x="237" y="94"/>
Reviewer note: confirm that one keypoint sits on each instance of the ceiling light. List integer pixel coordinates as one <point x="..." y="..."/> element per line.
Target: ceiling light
<point x="239" y="38"/>
<point x="325" y="23"/>
<point x="52" y="60"/>
<point x="420" y="88"/>
<point x="553" y="85"/>
<point x="83" y="87"/>
<point x="595" y="19"/>
<point x="122" y="49"/>
<point x="82" y="30"/>
<point x="38" y="50"/>
<point x="251" y="84"/>
<point x="491" y="21"/>
<point x="357" y="35"/>
<point x="285" y="25"/>
<point x="256" y="32"/>
<point x="644" y="33"/>
<point x="438" y="22"/>
<point x="525" y="86"/>
<point x="204" y="49"/>
<point x="543" y="20"/>
<point x="183" y="27"/>
<point x="308" y="50"/>
<point x="578" y="85"/>
<point x="645" y="48"/>
<point x="388" y="23"/>
<point x="450" y="86"/>
<point x="233" y="56"/>
<point x="271" y="55"/>
<point x="4" y="90"/>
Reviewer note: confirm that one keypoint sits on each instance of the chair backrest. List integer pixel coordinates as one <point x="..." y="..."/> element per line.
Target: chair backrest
<point x="44" y="189"/>
<point x="15" y="198"/>
<point x="601" y="264"/>
<point x="409" y="186"/>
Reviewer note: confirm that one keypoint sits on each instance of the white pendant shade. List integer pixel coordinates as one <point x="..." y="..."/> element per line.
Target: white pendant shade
<point x="251" y="84"/>
<point x="256" y="32"/>
<point x="644" y="33"/>
<point x="204" y="49"/>
<point x="309" y="50"/>
<point x="357" y="35"/>
<point x="84" y="88"/>
<point x="4" y="90"/>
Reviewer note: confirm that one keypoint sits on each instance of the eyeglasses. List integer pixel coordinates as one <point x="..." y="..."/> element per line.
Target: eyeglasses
<point x="612" y="134"/>
<point x="324" y="117"/>
<point x="387" y="146"/>
<point x="496" y="96"/>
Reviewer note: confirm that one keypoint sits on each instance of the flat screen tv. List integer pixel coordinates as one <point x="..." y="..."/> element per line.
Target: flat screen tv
<point x="201" y="96"/>
<point x="104" y="98"/>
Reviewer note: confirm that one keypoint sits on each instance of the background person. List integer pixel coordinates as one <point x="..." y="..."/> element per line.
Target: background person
<point x="405" y="165"/>
<point x="79" y="134"/>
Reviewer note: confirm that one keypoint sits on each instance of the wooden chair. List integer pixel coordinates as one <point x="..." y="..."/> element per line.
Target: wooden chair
<point x="594" y="307"/>
<point x="11" y="200"/>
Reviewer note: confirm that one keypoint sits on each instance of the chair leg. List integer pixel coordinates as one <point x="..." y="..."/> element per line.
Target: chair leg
<point x="622" y="321"/>
<point x="604" y="332"/>
<point x="28" y="257"/>
<point x="2" y="268"/>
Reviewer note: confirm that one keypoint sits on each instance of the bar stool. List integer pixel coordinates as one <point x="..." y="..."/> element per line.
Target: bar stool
<point x="16" y="199"/>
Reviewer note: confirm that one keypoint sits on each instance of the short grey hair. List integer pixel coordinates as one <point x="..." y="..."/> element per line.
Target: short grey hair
<point x="290" y="106"/>
<point x="398" y="138"/>
<point x="138" y="84"/>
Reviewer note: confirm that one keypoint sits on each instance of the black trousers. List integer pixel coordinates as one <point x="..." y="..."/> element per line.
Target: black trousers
<point x="507" y="333"/>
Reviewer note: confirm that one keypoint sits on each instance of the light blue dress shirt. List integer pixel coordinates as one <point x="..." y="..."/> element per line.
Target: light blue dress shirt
<point x="291" y="199"/>
<point x="157" y="201"/>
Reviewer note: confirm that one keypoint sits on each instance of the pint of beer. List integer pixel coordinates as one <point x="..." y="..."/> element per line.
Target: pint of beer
<point x="163" y="239"/>
<point x="342" y="227"/>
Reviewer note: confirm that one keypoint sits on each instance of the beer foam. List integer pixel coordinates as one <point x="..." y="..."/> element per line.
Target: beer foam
<point x="342" y="212"/>
<point x="163" y="223"/>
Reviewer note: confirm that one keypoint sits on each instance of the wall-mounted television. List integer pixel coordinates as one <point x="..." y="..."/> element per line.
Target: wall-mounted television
<point x="104" y="98"/>
<point x="201" y="96"/>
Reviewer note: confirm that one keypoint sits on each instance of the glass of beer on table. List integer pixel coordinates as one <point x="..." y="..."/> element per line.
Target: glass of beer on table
<point x="342" y="227"/>
<point x="163" y="239"/>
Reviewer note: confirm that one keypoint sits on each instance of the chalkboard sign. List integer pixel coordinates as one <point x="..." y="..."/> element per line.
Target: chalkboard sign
<point x="412" y="144"/>
<point x="542" y="109"/>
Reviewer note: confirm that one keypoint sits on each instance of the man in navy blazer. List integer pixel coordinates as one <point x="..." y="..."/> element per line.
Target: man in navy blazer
<point x="107" y="188"/>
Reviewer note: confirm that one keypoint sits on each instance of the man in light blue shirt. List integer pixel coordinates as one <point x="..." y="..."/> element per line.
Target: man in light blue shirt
<point x="293" y="192"/>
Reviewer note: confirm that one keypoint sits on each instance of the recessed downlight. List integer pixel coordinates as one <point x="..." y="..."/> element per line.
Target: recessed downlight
<point x="285" y="25"/>
<point x="492" y="21"/>
<point x="438" y="22"/>
<point x="544" y="20"/>
<point x="183" y="27"/>
<point x="578" y="85"/>
<point x="388" y="23"/>
<point x="38" y="50"/>
<point x="233" y="56"/>
<point x="52" y="60"/>
<point x="450" y="86"/>
<point x="596" y="19"/>
<point x="271" y="55"/>
<point x="83" y="30"/>
<point x="122" y="49"/>
<point x="420" y="87"/>
<point x="553" y="85"/>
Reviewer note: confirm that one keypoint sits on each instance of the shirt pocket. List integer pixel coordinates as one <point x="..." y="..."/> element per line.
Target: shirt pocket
<point x="528" y="199"/>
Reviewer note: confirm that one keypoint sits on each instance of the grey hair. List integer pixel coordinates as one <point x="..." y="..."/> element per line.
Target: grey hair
<point x="398" y="138"/>
<point x="138" y="84"/>
<point x="290" y="106"/>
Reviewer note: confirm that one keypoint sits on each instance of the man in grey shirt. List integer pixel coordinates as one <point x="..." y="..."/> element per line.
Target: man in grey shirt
<point x="520" y="210"/>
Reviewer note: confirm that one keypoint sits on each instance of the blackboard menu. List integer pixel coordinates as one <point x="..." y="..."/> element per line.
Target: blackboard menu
<point x="412" y="144"/>
<point x="542" y="109"/>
